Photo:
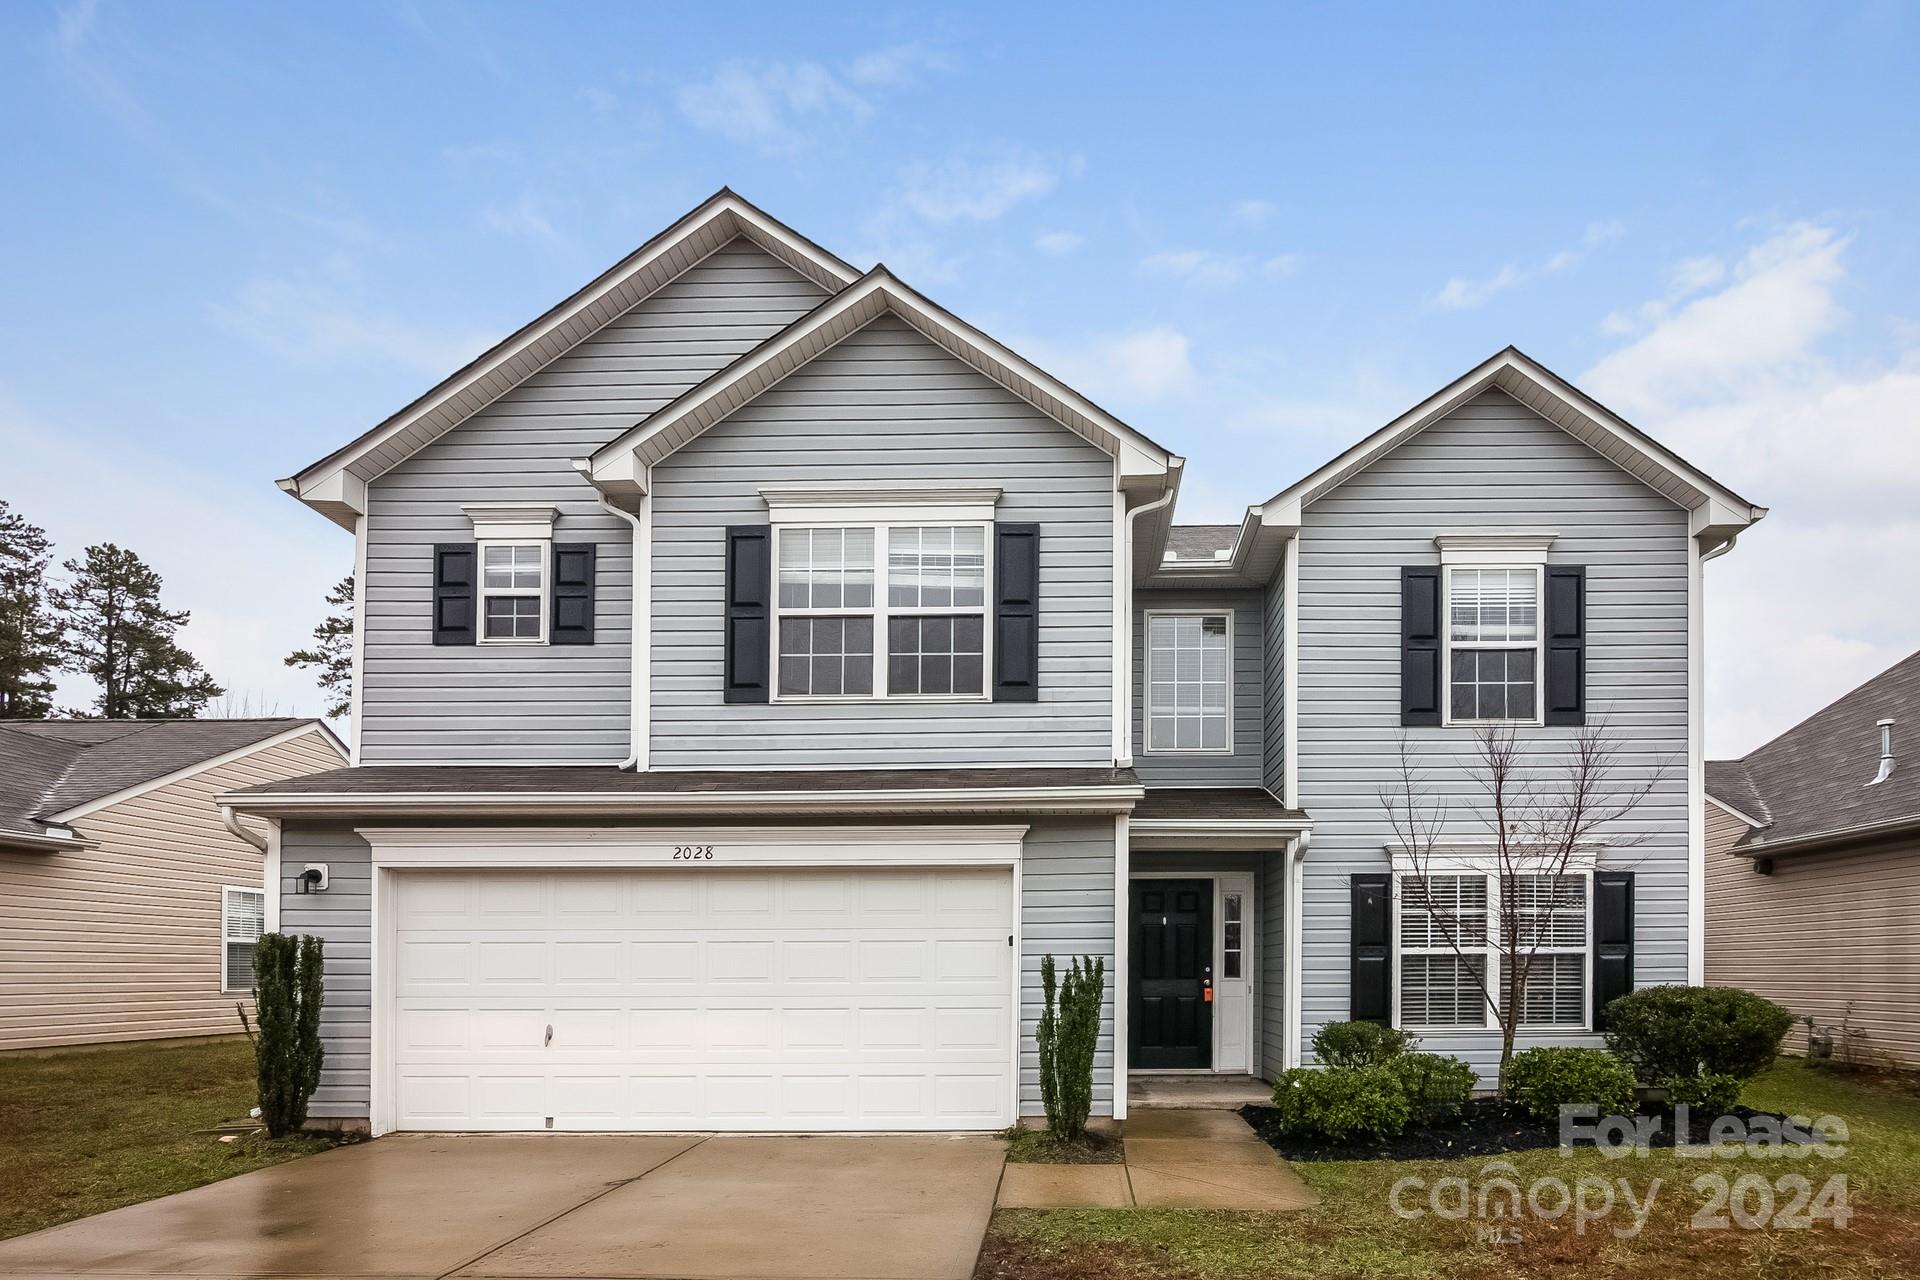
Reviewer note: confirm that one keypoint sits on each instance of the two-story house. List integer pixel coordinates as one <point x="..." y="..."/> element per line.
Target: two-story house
<point x="759" y="669"/>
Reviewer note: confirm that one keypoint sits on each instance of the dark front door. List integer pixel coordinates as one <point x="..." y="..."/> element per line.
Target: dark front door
<point x="1170" y="1018"/>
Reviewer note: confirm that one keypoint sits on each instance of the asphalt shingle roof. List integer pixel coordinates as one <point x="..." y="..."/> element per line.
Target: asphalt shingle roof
<point x="1200" y="541"/>
<point x="1813" y="779"/>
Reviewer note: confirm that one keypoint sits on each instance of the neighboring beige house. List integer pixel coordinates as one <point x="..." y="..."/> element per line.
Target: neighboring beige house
<point x="128" y="909"/>
<point x="1813" y="867"/>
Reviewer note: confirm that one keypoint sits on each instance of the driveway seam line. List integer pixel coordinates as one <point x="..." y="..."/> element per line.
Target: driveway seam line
<point x="607" y="1190"/>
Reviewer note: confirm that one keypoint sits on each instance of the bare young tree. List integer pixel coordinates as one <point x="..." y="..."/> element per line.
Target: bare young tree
<point x="1539" y="826"/>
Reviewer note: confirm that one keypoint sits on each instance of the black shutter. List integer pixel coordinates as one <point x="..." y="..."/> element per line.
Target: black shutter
<point x="1370" y="934"/>
<point x="1612" y="940"/>
<point x="1420" y="645"/>
<point x="572" y="593"/>
<point x="1016" y="612"/>
<point x="454" y="565"/>
<point x="1566" y="680"/>
<point x="749" y="605"/>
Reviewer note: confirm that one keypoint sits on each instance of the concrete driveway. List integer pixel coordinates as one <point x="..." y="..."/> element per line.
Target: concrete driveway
<point x="692" y="1206"/>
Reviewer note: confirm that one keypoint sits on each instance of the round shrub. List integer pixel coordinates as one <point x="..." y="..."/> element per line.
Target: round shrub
<point x="1663" y="1032"/>
<point x="1706" y="1095"/>
<point x="1359" y="1044"/>
<point x="1437" y="1087"/>
<point x="1544" y="1080"/>
<point x="1341" y="1102"/>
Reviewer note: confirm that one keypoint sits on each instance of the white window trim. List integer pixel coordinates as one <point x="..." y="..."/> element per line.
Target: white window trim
<point x="1538" y="645"/>
<point x="1146" y="692"/>
<point x="511" y="521"/>
<point x="1464" y="866"/>
<point x="544" y="546"/>
<point x="882" y="611"/>
<point x="226" y="916"/>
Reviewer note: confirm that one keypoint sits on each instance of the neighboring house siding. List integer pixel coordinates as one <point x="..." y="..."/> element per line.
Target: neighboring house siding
<point x="1244" y="766"/>
<point x="884" y="406"/>
<point x="1066" y="909"/>
<point x="1493" y="462"/>
<point x="1822" y="933"/>
<point x="123" y="942"/>
<point x="536" y="703"/>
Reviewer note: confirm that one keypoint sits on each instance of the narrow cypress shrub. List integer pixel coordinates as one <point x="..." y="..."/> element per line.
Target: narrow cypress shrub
<point x="288" y="990"/>
<point x="1069" y="1033"/>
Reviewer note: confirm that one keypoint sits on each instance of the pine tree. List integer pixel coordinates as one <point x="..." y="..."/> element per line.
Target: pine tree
<point x="119" y="634"/>
<point x="29" y="630"/>
<point x="332" y="651"/>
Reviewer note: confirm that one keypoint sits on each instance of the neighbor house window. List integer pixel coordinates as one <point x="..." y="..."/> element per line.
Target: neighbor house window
<point x="887" y="611"/>
<point x="243" y="918"/>
<point x="1449" y="951"/>
<point x="513" y="592"/>
<point x="1189" y="674"/>
<point x="1493" y="645"/>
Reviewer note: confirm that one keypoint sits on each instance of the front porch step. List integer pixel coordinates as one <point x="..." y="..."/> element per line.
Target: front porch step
<point x="1147" y="1090"/>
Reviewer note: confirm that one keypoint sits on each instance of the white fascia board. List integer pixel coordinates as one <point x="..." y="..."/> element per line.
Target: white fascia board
<point x="213" y="762"/>
<point x="1734" y="813"/>
<point x="1210" y="835"/>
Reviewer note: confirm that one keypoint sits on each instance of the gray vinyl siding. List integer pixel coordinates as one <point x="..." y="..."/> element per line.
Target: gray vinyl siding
<point x="1491" y="463"/>
<point x="1273" y="606"/>
<point x="884" y="405"/>
<point x="1244" y="766"/>
<point x="537" y="703"/>
<point x="342" y="919"/>
<point x="1066" y="909"/>
<point x="1271" y="1046"/>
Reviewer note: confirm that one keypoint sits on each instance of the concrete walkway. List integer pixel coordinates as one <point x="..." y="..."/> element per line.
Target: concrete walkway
<point x="1176" y="1159"/>
<point x="644" y="1206"/>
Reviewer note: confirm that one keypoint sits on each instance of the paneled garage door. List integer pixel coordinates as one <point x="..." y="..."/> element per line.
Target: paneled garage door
<point x="703" y="999"/>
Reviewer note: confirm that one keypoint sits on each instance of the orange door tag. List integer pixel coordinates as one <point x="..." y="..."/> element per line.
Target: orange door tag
<point x="1206" y="995"/>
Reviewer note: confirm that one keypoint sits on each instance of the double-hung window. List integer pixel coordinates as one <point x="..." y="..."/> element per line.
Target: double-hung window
<point x="881" y="611"/>
<point x="1493" y="644"/>
<point x="1189" y="682"/>
<point x="513" y="592"/>
<point x="1450" y="948"/>
<point x="243" y="918"/>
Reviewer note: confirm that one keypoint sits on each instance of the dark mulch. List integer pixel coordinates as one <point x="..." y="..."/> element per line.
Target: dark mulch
<point x="1486" y="1127"/>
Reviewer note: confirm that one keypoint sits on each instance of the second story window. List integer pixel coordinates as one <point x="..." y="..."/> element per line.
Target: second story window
<point x="513" y="589"/>
<point x="1493" y="645"/>
<point x="1189" y="682"/>
<point x="844" y="592"/>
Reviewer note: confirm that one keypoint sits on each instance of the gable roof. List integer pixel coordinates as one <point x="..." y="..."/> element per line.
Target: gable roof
<point x="55" y="771"/>
<point x="1716" y="509"/>
<point x="620" y="465"/>
<point x="336" y="484"/>
<point x="1810" y="784"/>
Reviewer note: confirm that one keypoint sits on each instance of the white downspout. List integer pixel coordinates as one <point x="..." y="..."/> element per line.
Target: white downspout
<point x="640" y="644"/>
<point x="231" y="820"/>
<point x="1296" y="947"/>
<point x="1123" y="624"/>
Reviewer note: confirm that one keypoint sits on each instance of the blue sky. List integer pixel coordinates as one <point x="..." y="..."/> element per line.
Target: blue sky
<point x="236" y="236"/>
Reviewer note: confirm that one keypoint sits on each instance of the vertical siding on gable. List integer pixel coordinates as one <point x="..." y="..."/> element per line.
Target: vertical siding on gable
<point x="123" y="942"/>
<point x="536" y="703"/>
<point x="1244" y="767"/>
<point x="884" y="406"/>
<point x="1493" y="462"/>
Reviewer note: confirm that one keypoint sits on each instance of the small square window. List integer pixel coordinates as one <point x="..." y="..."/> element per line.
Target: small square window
<point x="513" y="617"/>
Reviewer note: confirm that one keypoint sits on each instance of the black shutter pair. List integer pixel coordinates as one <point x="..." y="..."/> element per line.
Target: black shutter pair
<point x="1370" y="945"/>
<point x="1423" y="684"/>
<point x="747" y="676"/>
<point x="456" y="593"/>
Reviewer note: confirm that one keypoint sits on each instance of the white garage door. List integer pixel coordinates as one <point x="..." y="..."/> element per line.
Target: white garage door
<point x="703" y="999"/>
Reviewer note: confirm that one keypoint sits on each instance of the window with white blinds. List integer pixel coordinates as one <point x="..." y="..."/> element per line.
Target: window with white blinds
<point x="1189" y="682"/>
<point x="1493" y="645"/>
<point x="1443" y="951"/>
<point x="243" y="918"/>
<point x="1448" y="953"/>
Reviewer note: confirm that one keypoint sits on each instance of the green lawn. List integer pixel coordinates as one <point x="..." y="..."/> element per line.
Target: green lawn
<point x="1355" y="1235"/>
<point x="81" y="1133"/>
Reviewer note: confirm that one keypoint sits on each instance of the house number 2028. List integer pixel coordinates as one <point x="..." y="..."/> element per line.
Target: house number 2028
<point x="693" y="853"/>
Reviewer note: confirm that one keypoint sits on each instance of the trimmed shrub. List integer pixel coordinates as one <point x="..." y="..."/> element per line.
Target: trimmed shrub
<point x="1436" y="1086"/>
<point x="1706" y="1095"/>
<point x="1359" y="1044"/>
<point x="1341" y="1102"/>
<point x="1546" y="1079"/>
<point x="1069" y="1030"/>
<point x="1664" y="1032"/>
<point x="288" y="989"/>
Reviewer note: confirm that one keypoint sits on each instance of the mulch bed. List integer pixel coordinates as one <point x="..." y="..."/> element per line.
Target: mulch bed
<point x="1486" y="1127"/>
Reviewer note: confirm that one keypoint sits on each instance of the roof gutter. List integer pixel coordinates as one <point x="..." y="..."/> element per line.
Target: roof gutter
<point x="1823" y="841"/>
<point x="44" y="844"/>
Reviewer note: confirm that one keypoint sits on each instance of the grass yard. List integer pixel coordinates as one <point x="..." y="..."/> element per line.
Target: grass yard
<point x="1355" y="1235"/>
<point x="81" y="1133"/>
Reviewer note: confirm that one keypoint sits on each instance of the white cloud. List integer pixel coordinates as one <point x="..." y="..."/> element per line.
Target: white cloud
<point x="895" y="65"/>
<point x="767" y="104"/>
<point x="1737" y="382"/>
<point x="1058" y="242"/>
<point x="977" y="184"/>
<point x="525" y="219"/>
<point x="1461" y="293"/>
<point x="1280" y="266"/>
<point x="312" y="318"/>
<point x="1254" y="213"/>
<point x="1121" y="368"/>
<point x="1213" y="270"/>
